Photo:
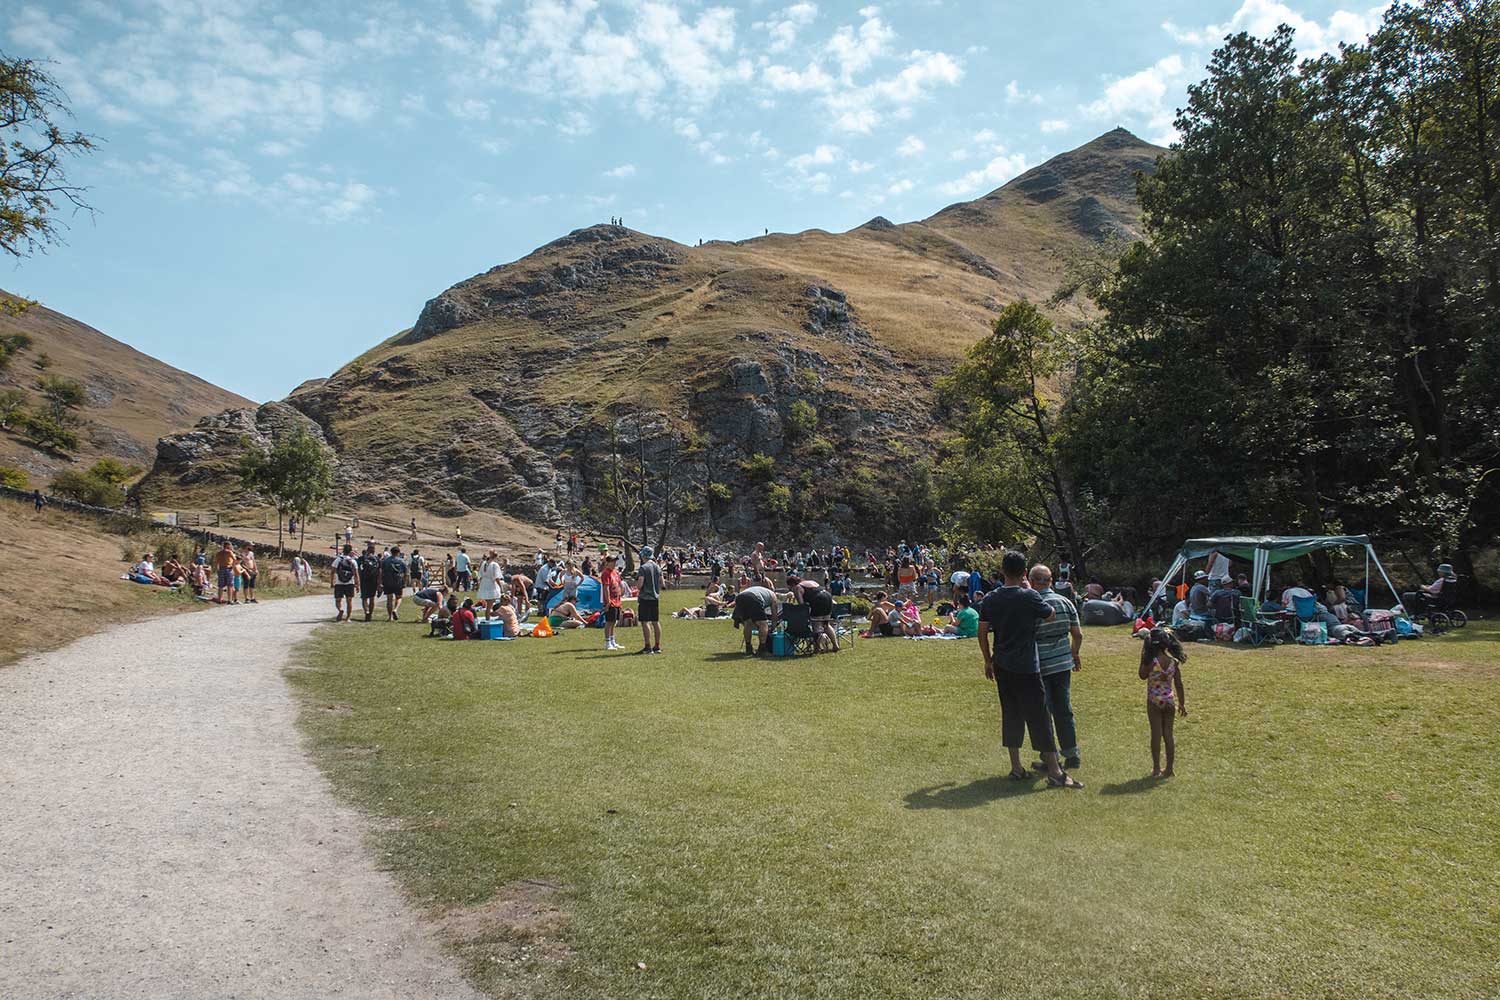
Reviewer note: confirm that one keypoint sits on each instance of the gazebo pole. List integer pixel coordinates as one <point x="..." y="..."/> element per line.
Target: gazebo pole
<point x="1370" y="550"/>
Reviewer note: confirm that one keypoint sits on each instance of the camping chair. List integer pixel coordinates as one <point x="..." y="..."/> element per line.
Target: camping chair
<point x="1263" y="627"/>
<point x="796" y="624"/>
<point x="1307" y="612"/>
<point x="843" y="624"/>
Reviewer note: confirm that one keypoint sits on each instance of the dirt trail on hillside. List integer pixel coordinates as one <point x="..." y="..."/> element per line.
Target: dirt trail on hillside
<point x="165" y="835"/>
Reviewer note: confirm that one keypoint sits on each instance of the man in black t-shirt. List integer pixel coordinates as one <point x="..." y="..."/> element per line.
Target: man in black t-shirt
<point x="369" y="579"/>
<point x="1012" y="612"/>
<point x="393" y="575"/>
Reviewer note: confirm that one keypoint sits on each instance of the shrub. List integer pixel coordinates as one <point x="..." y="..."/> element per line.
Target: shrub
<point x="800" y="421"/>
<point x="48" y="433"/>
<point x="758" y="468"/>
<point x="860" y="606"/>
<point x="15" y="478"/>
<point x="80" y="486"/>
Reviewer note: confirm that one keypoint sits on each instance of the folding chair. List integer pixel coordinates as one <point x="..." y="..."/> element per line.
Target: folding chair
<point x="843" y="624"/>
<point x="796" y="624"/>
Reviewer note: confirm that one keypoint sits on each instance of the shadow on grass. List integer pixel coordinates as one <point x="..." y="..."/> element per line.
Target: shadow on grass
<point x="1132" y="786"/>
<point x="978" y="792"/>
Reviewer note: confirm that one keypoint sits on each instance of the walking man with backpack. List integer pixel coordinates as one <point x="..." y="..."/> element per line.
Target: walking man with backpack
<point x="345" y="573"/>
<point x="393" y="581"/>
<point x="369" y="578"/>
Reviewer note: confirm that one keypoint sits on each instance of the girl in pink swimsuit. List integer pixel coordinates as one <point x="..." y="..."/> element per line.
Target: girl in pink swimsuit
<point x="1162" y="657"/>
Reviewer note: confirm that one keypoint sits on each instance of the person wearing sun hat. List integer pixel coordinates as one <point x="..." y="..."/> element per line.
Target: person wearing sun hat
<point x="1198" y="596"/>
<point x="1431" y="594"/>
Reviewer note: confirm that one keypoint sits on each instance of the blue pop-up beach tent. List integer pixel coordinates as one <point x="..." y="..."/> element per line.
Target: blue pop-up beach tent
<point x="590" y="597"/>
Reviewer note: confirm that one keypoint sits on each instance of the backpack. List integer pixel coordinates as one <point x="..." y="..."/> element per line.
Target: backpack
<point x="343" y="569"/>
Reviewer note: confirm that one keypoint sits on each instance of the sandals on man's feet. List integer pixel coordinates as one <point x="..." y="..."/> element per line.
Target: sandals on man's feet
<point x="1021" y="776"/>
<point x="1063" y="780"/>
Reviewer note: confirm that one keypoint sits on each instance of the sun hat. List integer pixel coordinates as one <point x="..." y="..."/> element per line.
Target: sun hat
<point x="1200" y="575"/>
<point x="1446" y="572"/>
<point x="645" y="552"/>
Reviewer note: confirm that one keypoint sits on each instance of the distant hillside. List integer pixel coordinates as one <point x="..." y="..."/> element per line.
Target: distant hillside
<point x="132" y="398"/>
<point x="504" y="393"/>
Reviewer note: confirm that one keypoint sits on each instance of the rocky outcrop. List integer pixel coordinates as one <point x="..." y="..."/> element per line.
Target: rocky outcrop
<point x="216" y="443"/>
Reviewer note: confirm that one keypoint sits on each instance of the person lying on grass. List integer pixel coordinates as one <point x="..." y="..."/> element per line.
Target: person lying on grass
<point x="1162" y="657"/>
<point x="566" y="615"/>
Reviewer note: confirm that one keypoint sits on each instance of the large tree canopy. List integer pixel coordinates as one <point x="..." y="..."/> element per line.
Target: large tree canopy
<point x="1306" y="340"/>
<point x="33" y="151"/>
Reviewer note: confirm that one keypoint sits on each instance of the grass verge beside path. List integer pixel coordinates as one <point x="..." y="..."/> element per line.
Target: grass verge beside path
<point x="60" y="579"/>
<point x="839" y="826"/>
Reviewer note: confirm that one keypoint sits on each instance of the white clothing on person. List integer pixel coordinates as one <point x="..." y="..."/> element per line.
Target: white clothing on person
<point x="489" y="580"/>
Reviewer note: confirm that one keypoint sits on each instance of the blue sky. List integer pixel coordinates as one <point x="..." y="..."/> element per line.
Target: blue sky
<point x="282" y="185"/>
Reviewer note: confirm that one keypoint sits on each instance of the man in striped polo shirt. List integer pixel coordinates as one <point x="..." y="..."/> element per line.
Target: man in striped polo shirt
<point x="1057" y="644"/>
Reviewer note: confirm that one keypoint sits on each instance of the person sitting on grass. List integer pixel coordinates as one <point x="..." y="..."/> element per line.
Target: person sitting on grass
<point x="1162" y="657"/>
<point x="198" y="579"/>
<point x="713" y="599"/>
<point x="881" y="621"/>
<point x="965" y="620"/>
<point x="463" y="624"/>
<point x="910" y="619"/>
<point x="145" y="572"/>
<point x="173" y="572"/>
<point x="442" y="621"/>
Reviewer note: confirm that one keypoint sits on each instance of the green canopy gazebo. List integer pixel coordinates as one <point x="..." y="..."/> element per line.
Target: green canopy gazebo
<point x="1265" y="551"/>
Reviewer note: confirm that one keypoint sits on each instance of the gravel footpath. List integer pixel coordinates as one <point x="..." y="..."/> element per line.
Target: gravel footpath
<point x="163" y="833"/>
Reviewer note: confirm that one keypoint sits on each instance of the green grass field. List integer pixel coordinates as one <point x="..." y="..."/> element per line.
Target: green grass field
<point x="698" y="825"/>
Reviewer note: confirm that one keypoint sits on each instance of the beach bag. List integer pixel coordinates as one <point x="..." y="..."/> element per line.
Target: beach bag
<point x="595" y="620"/>
<point x="627" y="618"/>
<point x="1224" y="632"/>
<point x="1243" y="635"/>
<point x="1314" y="634"/>
<point x="543" y="629"/>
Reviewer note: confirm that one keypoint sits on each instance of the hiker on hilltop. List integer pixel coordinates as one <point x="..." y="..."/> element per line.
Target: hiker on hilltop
<point x="39" y="500"/>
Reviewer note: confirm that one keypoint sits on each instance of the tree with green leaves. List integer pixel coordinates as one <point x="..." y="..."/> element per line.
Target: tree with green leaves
<point x="1011" y="388"/>
<point x="34" y="150"/>
<point x="12" y="344"/>
<point x="295" y="474"/>
<point x="100" y="485"/>
<point x="64" y="396"/>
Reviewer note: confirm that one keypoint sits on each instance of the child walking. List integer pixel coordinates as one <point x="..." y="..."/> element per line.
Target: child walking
<point x="1162" y="657"/>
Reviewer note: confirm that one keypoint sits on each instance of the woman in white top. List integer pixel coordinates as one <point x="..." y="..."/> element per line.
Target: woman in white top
<point x="490" y="572"/>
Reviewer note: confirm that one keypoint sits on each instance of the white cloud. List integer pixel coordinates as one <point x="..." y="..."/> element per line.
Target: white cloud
<point x="819" y="157"/>
<point x="999" y="170"/>
<point x="1150" y="96"/>
<point x="1015" y="94"/>
<point x="782" y="78"/>
<point x="470" y="109"/>
<point x="1144" y="95"/>
<point x="1262" y="17"/>
<point x="854" y="50"/>
<point x="349" y="201"/>
<point x="785" y="25"/>
<point x="1053" y="125"/>
<point x="901" y="187"/>
<point x="985" y="136"/>
<point x="687" y="128"/>
<point x="860" y="166"/>
<point x="861" y="109"/>
<point x="911" y="146"/>
<point x="355" y="105"/>
<point x="621" y="172"/>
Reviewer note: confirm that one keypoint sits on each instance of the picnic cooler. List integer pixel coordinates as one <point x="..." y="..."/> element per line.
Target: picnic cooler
<point x="491" y="629"/>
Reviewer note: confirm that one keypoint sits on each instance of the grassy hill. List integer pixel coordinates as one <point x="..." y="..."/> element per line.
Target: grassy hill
<point x="132" y="399"/>
<point x="505" y="393"/>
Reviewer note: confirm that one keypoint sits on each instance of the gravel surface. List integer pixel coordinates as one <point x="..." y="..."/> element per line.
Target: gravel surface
<point x="164" y="834"/>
